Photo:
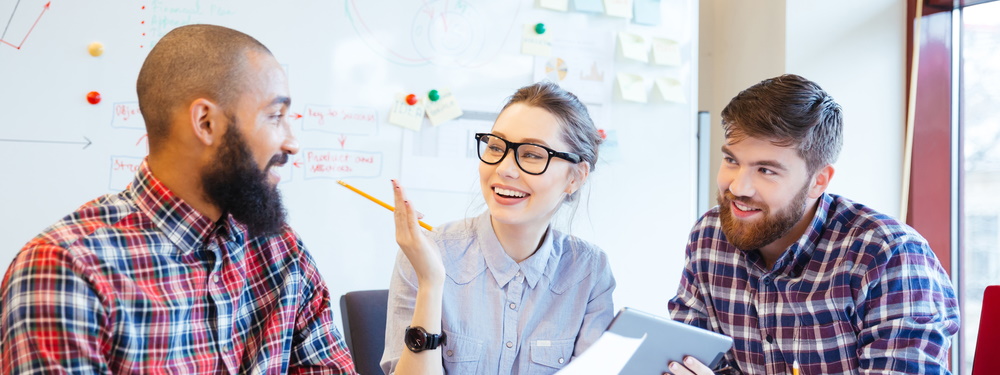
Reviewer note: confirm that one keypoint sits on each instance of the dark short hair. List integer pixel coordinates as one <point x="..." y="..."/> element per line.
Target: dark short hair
<point x="788" y="110"/>
<point x="578" y="130"/>
<point x="190" y="62"/>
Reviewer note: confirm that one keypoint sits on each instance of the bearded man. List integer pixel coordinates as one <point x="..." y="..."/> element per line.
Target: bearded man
<point x="797" y="275"/>
<point x="191" y="269"/>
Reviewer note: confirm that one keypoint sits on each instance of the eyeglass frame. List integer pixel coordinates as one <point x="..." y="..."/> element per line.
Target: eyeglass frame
<point x="568" y="156"/>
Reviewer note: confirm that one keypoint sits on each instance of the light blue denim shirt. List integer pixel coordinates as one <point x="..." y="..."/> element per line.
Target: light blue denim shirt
<point x="502" y="317"/>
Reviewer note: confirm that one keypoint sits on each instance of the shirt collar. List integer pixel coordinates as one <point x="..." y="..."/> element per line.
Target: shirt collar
<point x="804" y="247"/>
<point x="503" y="268"/>
<point x="184" y="226"/>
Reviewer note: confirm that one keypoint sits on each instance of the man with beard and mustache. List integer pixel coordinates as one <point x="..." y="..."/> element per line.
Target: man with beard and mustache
<point x="796" y="275"/>
<point x="191" y="269"/>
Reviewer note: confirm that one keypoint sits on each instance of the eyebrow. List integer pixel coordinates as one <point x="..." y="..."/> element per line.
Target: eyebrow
<point x="526" y="140"/>
<point x="773" y="164"/>
<point x="281" y="100"/>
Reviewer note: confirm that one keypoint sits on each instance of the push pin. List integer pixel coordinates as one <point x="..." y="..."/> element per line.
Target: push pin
<point x="540" y="28"/>
<point x="433" y="95"/>
<point x="411" y="99"/>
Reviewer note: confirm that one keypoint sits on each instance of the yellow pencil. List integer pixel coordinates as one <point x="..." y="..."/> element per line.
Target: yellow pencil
<point x="380" y="203"/>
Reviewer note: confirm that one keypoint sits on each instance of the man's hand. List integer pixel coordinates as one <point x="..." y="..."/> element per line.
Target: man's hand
<point x="691" y="366"/>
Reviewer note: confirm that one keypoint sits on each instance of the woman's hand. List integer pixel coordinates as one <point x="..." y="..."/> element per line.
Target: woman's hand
<point x="422" y="253"/>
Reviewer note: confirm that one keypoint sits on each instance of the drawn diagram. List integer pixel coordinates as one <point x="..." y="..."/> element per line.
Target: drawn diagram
<point x="22" y="21"/>
<point x="438" y="32"/>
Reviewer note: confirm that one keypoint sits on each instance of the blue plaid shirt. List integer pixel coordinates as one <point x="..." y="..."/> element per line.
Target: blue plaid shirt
<point x="858" y="293"/>
<point x="140" y="282"/>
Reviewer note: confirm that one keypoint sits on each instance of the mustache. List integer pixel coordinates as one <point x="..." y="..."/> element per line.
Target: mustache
<point x="278" y="160"/>
<point x="746" y="200"/>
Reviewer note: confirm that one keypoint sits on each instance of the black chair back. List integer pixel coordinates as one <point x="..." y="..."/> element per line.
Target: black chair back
<point x="363" y="313"/>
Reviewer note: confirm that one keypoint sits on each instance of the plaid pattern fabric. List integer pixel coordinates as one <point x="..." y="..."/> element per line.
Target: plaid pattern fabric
<point x="140" y="282"/>
<point x="858" y="293"/>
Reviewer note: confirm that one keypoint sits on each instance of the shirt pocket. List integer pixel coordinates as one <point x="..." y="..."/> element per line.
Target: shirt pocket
<point x="461" y="354"/>
<point x="548" y="356"/>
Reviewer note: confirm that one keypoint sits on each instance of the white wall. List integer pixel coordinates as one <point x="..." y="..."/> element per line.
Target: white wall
<point x="742" y="42"/>
<point x="854" y="49"/>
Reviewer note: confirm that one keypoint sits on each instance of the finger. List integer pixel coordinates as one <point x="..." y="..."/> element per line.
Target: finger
<point x="411" y="217"/>
<point x="420" y="215"/>
<point x="678" y="369"/>
<point x="399" y="214"/>
<point x="696" y="365"/>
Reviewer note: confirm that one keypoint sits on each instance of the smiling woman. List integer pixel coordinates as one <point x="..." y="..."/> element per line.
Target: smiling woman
<point x="538" y="155"/>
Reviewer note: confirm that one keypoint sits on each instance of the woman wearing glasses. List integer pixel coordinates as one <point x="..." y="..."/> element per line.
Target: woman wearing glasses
<point x="504" y="293"/>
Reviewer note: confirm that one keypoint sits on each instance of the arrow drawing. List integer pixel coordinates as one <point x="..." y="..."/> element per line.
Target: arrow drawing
<point x="86" y="141"/>
<point x="18" y="46"/>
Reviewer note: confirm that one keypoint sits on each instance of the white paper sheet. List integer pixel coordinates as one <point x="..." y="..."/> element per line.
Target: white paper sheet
<point x="608" y="355"/>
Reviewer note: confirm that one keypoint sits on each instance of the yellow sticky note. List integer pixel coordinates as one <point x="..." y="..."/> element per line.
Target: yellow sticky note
<point x="633" y="46"/>
<point x="444" y="109"/>
<point x="533" y="43"/>
<point x="562" y="5"/>
<point x="405" y="115"/>
<point x="618" y="8"/>
<point x="632" y="87"/>
<point x="666" y="52"/>
<point x="670" y="90"/>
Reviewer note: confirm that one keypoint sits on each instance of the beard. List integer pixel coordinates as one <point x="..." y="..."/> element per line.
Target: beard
<point x="760" y="233"/>
<point x="237" y="186"/>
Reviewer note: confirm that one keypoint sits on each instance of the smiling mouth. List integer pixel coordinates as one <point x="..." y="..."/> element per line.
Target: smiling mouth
<point x="743" y="207"/>
<point x="509" y="193"/>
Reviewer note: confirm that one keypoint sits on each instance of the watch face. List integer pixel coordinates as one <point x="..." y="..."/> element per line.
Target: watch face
<point x="416" y="338"/>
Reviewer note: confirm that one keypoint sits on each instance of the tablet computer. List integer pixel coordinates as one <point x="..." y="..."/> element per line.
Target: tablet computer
<point x="666" y="340"/>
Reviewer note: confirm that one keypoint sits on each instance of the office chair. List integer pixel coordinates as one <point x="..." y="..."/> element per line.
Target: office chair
<point x="363" y="313"/>
<point x="988" y="341"/>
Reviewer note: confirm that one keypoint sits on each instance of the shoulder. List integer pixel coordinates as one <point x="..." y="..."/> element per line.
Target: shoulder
<point x="575" y="262"/>
<point x="874" y="239"/>
<point x="93" y="228"/>
<point x="862" y="225"/>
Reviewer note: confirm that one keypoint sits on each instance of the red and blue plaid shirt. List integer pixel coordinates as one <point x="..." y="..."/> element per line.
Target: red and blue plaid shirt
<point x="140" y="282"/>
<point x="858" y="293"/>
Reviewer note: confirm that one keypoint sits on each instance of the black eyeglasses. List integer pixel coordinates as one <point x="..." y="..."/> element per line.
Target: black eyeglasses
<point x="531" y="158"/>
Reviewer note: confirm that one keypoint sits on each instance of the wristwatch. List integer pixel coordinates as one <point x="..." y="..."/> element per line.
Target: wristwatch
<point x="417" y="339"/>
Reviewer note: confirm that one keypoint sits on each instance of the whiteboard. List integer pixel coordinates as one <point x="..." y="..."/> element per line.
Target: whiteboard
<point x="346" y="60"/>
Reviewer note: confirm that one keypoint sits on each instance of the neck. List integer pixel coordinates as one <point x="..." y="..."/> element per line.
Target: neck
<point x="519" y="241"/>
<point x="183" y="184"/>
<point x="772" y="251"/>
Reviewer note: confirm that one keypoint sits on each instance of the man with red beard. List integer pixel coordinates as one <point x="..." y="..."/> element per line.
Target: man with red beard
<point x="191" y="269"/>
<point x="797" y="275"/>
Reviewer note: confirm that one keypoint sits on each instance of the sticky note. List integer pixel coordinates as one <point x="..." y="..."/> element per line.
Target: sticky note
<point x="647" y="12"/>
<point x="632" y="87"/>
<point x="633" y="46"/>
<point x="444" y="109"/>
<point x="618" y="8"/>
<point x="405" y="115"/>
<point x="562" y="5"/>
<point x="589" y="6"/>
<point x="533" y="43"/>
<point x="670" y="90"/>
<point x="666" y="52"/>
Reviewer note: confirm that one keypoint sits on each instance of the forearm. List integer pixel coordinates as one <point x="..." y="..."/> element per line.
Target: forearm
<point x="426" y="314"/>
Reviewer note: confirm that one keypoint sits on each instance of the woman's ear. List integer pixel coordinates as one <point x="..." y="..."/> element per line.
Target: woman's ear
<point x="206" y="121"/>
<point x="577" y="176"/>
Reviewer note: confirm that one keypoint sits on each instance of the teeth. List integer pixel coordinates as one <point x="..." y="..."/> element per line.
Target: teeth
<point x="745" y="208"/>
<point x="509" y="193"/>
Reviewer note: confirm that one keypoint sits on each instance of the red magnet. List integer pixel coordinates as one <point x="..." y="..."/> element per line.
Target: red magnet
<point x="94" y="97"/>
<point x="411" y="99"/>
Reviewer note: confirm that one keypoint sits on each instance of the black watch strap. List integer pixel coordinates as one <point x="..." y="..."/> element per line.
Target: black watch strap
<point x="417" y="339"/>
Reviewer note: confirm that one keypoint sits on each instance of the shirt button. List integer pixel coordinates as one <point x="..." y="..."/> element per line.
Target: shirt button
<point x="770" y="339"/>
<point x="216" y="278"/>
<point x="766" y="280"/>
<point x="510" y="344"/>
<point x="512" y="306"/>
<point x="561" y="360"/>
<point x="450" y="353"/>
